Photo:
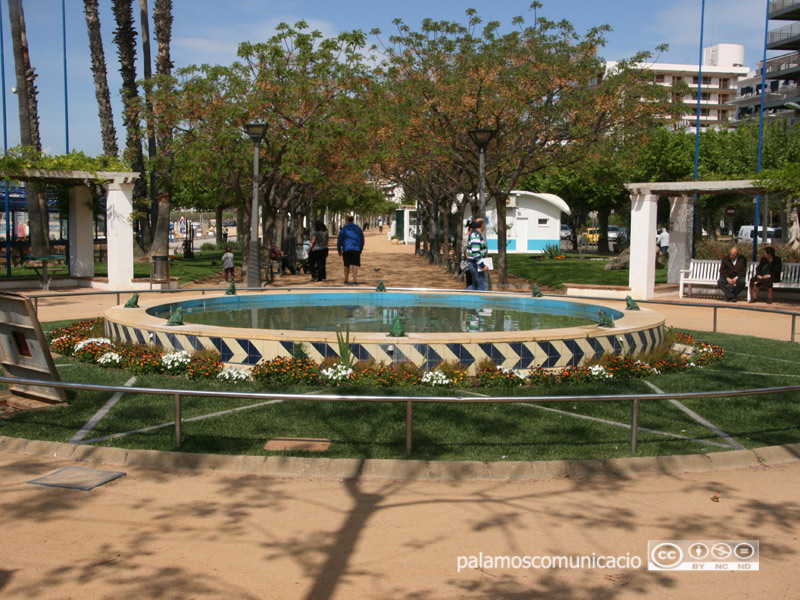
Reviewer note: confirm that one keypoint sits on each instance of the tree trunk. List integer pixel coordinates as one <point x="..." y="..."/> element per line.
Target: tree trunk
<point x="125" y="39"/>
<point x="107" y="130"/>
<point x="162" y="18"/>
<point x="220" y="225"/>
<point x="602" y="230"/>
<point x="502" y="236"/>
<point x="161" y="235"/>
<point x="151" y="129"/>
<point x="29" y="126"/>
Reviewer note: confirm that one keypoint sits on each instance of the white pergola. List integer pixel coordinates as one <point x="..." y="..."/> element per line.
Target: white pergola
<point x="119" y="226"/>
<point x="644" y="203"/>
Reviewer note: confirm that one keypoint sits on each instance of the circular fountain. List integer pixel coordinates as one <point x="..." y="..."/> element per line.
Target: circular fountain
<point x="515" y="331"/>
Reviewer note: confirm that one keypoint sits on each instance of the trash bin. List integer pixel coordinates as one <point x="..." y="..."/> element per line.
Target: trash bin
<point x="159" y="270"/>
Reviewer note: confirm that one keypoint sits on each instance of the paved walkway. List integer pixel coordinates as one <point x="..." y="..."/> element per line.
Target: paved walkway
<point x="208" y="534"/>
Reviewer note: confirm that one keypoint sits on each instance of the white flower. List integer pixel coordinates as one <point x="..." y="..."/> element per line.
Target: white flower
<point x="97" y="341"/>
<point x="109" y="359"/>
<point x="338" y="373"/>
<point x="519" y="374"/>
<point x="600" y="372"/>
<point x="176" y="361"/>
<point x="435" y="378"/>
<point x="58" y="339"/>
<point x="233" y="374"/>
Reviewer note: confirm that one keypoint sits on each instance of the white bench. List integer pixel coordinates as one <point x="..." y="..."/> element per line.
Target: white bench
<point x="790" y="277"/>
<point x="706" y="273"/>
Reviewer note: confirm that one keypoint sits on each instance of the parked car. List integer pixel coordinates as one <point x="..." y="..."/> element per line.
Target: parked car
<point x="566" y="232"/>
<point x="616" y="235"/>
<point x="747" y="234"/>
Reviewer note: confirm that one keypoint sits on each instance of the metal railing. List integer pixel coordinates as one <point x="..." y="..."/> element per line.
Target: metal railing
<point x="783" y="33"/>
<point x="776" y="6"/>
<point x="178" y="395"/>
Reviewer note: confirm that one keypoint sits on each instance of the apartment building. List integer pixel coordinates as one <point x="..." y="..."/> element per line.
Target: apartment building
<point x="723" y="66"/>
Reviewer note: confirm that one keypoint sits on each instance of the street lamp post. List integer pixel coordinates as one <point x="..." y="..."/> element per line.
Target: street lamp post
<point x="256" y="132"/>
<point x="482" y="137"/>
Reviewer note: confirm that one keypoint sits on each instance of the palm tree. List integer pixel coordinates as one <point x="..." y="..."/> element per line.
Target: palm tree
<point x="162" y="19"/>
<point x="29" y="125"/>
<point x="125" y="39"/>
<point x="108" y="131"/>
<point x="144" y="21"/>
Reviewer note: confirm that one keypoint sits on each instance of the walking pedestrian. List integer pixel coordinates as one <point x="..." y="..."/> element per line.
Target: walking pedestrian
<point x="318" y="252"/>
<point x="350" y="244"/>
<point x="476" y="252"/>
<point x="227" y="263"/>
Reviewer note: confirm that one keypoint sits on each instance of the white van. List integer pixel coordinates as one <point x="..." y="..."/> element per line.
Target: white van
<point x="746" y="234"/>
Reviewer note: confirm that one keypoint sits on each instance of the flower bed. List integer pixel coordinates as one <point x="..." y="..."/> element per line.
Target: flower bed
<point x="79" y="341"/>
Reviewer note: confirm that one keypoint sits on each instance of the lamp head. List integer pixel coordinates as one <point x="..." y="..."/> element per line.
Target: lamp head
<point x="256" y="131"/>
<point x="482" y="137"/>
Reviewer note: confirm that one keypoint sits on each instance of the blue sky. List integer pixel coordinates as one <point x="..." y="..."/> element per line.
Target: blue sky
<point x="210" y="30"/>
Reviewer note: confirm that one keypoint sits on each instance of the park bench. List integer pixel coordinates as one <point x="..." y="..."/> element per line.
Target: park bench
<point x="790" y="277"/>
<point x="42" y="262"/>
<point x="706" y="273"/>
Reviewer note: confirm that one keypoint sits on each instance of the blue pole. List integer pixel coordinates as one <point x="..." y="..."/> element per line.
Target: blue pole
<point x="64" y="44"/>
<point x="5" y="147"/>
<point x="697" y="120"/>
<point x="761" y="131"/>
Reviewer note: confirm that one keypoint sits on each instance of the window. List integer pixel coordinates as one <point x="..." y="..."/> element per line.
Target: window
<point x="660" y="78"/>
<point x="694" y="80"/>
<point x="723" y="83"/>
<point x="704" y="112"/>
<point x="706" y="80"/>
<point x="676" y="78"/>
<point x="705" y="96"/>
<point x="543" y="222"/>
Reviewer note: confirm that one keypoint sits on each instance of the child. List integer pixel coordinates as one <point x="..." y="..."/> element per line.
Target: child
<point x="227" y="263"/>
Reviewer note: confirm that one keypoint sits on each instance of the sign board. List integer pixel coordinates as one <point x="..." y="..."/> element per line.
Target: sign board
<point x="182" y="225"/>
<point x="730" y="211"/>
<point x="24" y="351"/>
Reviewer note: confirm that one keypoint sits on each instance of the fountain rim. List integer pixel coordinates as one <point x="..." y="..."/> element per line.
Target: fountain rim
<point x="139" y="317"/>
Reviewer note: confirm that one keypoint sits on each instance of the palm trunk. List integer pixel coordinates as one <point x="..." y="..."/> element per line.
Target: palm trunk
<point x="151" y="129"/>
<point x="125" y="39"/>
<point x="29" y="126"/>
<point x="107" y="129"/>
<point x="162" y="17"/>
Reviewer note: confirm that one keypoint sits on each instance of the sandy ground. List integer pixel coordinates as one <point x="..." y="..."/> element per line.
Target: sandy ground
<point x="183" y="535"/>
<point x="206" y="534"/>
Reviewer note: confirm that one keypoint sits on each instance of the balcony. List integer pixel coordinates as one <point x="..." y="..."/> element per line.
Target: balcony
<point x="785" y="38"/>
<point x="788" y="10"/>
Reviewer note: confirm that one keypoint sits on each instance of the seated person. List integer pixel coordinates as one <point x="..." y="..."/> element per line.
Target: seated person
<point x="768" y="272"/>
<point x="276" y="255"/>
<point x="732" y="274"/>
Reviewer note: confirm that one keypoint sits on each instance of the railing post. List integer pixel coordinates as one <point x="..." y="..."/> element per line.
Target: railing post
<point x="409" y="418"/>
<point x="178" y="420"/>
<point x="794" y="318"/>
<point x="635" y="426"/>
<point x="36" y="306"/>
<point x="118" y="300"/>
<point x="715" y="319"/>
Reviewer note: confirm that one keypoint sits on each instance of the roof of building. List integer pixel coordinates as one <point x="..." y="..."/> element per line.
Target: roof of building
<point x="552" y="199"/>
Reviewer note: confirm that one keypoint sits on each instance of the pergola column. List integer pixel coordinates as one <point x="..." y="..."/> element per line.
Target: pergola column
<point x="681" y="225"/>
<point x="81" y="232"/>
<point x="119" y="235"/>
<point x="642" y="273"/>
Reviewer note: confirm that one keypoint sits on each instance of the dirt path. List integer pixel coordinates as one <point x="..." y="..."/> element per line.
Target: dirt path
<point x="182" y="535"/>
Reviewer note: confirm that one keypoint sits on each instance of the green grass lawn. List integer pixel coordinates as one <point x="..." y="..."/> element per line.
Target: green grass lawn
<point x="554" y="273"/>
<point x="204" y="264"/>
<point x="487" y="432"/>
